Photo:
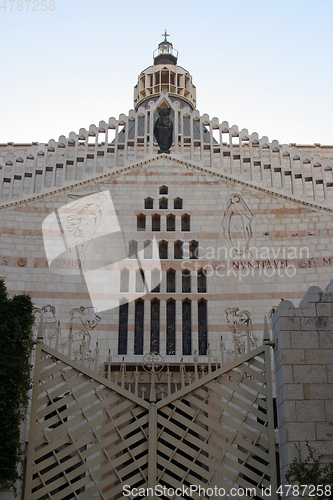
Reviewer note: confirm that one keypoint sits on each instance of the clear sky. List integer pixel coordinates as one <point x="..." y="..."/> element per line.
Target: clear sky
<point x="262" y="65"/>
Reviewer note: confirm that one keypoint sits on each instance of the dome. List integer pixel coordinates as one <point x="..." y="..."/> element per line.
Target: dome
<point x="165" y="76"/>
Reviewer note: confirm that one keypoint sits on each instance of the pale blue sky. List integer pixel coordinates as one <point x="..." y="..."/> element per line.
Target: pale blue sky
<point x="262" y="65"/>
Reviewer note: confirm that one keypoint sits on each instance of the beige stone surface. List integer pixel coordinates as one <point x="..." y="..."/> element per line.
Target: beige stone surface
<point x="304" y="339"/>
<point x="301" y="431"/>
<point x="308" y="363"/>
<point x="310" y="374"/>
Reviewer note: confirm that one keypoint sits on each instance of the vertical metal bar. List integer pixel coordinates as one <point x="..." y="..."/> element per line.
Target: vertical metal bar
<point x="209" y="352"/>
<point x="270" y="412"/>
<point x="168" y="375"/>
<point x="152" y="397"/>
<point x="70" y="344"/>
<point x="83" y="350"/>
<point x="109" y="365"/>
<point x="136" y="378"/>
<point x="235" y="345"/>
<point x="248" y="338"/>
<point x="195" y="358"/>
<point x="182" y="373"/>
<point x="96" y="357"/>
<point x="57" y="337"/>
<point x="222" y="351"/>
<point x="152" y="450"/>
<point x="123" y="373"/>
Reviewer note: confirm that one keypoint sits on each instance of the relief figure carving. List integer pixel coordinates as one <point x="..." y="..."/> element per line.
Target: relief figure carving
<point x="237" y="226"/>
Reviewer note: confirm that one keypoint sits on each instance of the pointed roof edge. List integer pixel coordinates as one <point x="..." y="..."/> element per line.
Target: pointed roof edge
<point x="187" y="164"/>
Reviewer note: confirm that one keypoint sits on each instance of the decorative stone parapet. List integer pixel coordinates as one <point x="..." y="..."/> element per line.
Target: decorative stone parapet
<point x="304" y="374"/>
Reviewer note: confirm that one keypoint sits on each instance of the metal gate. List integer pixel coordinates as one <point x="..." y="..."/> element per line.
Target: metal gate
<point x="92" y="438"/>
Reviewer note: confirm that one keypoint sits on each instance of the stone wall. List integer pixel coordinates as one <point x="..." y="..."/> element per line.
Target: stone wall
<point x="304" y="374"/>
<point x="290" y="245"/>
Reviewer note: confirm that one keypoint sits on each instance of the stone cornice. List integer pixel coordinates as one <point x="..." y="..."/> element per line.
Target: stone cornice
<point x="196" y="167"/>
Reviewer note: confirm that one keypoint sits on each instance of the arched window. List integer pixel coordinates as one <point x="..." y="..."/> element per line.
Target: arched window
<point x="187" y="327"/>
<point x="171" y="223"/>
<point x="186" y="281"/>
<point x="163" y="190"/>
<point x="171" y="281"/>
<point x="178" y="254"/>
<point x="133" y="249"/>
<point x="186" y="222"/>
<point x="202" y="326"/>
<point x="147" y="250"/>
<point x="124" y="280"/>
<point x="149" y="203"/>
<point x="140" y="281"/>
<point x="139" y="327"/>
<point x="163" y="203"/>
<point x="171" y="328"/>
<point x="155" y="326"/>
<point x="178" y="203"/>
<point x="163" y="249"/>
<point x="156" y="222"/>
<point x="194" y="249"/>
<point x="155" y="280"/>
<point x="141" y="222"/>
<point x="123" y="329"/>
<point x="202" y="281"/>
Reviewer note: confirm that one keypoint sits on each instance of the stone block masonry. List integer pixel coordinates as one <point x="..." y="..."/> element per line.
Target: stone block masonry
<point x="304" y="375"/>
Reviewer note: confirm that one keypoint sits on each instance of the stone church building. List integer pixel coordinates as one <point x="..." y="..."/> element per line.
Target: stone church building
<point x="162" y="233"/>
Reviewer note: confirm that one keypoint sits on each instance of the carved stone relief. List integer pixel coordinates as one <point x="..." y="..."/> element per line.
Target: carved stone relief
<point x="83" y="320"/>
<point x="237" y="226"/>
<point x="84" y="218"/>
<point x="236" y="320"/>
<point x="49" y="321"/>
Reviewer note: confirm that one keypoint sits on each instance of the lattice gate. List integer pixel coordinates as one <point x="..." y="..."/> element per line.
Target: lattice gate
<point x="91" y="438"/>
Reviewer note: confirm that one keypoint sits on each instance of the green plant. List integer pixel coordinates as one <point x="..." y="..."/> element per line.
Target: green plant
<point x="310" y="470"/>
<point x="16" y="320"/>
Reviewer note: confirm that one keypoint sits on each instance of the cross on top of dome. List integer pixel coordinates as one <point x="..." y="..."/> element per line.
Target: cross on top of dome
<point x="165" y="34"/>
<point x="165" y="54"/>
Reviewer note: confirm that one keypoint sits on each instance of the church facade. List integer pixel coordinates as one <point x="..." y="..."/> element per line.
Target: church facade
<point x="240" y="223"/>
<point x="163" y="231"/>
